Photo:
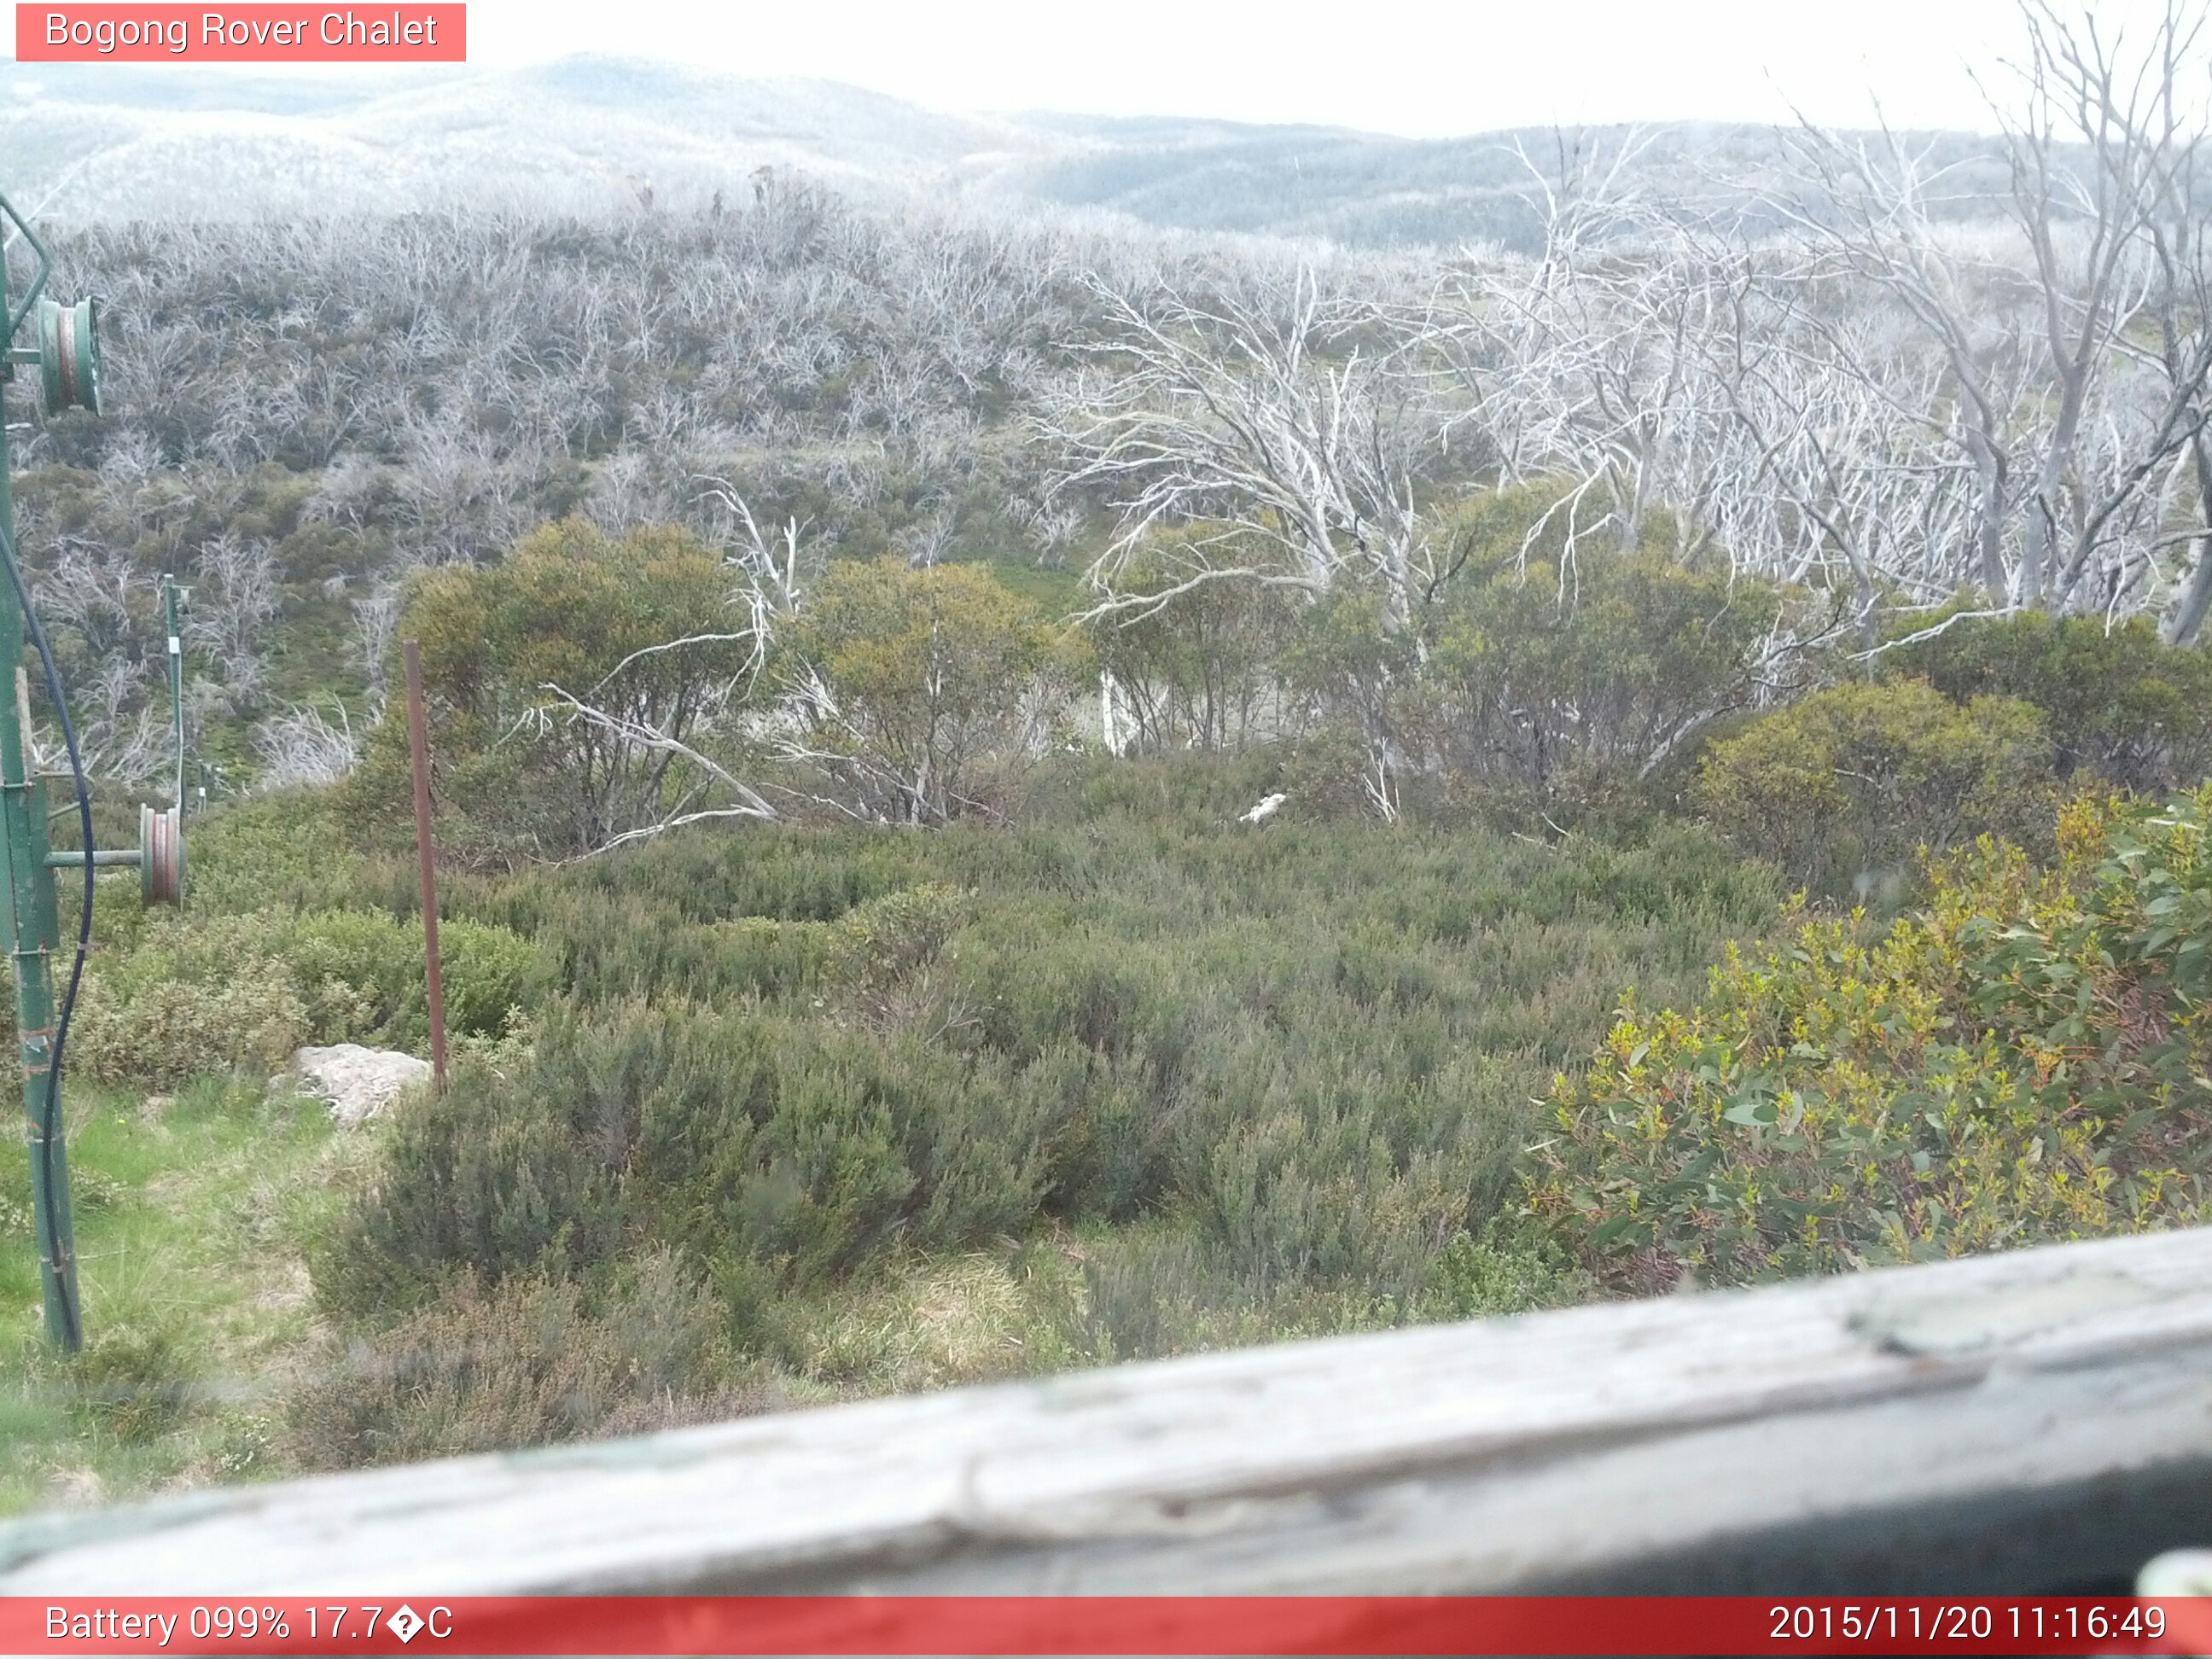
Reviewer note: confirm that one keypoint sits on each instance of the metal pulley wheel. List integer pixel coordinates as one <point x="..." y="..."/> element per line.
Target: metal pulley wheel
<point x="162" y="856"/>
<point x="68" y="355"/>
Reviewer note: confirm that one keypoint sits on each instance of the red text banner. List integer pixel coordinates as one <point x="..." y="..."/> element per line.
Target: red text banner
<point x="126" y="33"/>
<point x="416" y="1623"/>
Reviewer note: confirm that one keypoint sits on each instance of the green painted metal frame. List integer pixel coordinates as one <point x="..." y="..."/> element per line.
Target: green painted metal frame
<point x="28" y="927"/>
<point x="67" y="356"/>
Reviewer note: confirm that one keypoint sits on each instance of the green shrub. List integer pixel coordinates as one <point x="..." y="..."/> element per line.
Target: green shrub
<point x="570" y="610"/>
<point x="925" y="675"/>
<point x="1550" y="674"/>
<point x="491" y="1178"/>
<point x="1298" y="1198"/>
<point x="367" y="966"/>
<point x="878" y="946"/>
<point x="1847" y="784"/>
<point x="1484" y="1278"/>
<point x="2118" y="703"/>
<point x="743" y="1137"/>
<point x="2022" y="1060"/>
<point x="1308" y="1051"/>
<point x="147" y="1027"/>
<point x="289" y="850"/>
<point x="527" y="1362"/>
<point x="1200" y="671"/>
<point x="136" y="1381"/>
<point x="194" y="993"/>
<point x="1154" y="1288"/>
<point x="1552" y="677"/>
<point x="1144" y="1293"/>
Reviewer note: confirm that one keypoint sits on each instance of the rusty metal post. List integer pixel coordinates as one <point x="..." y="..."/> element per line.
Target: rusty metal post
<point x="419" y="742"/>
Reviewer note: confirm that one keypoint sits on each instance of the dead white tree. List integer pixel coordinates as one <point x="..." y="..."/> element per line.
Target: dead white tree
<point x="2181" y="297"/>
<point x="772" y="576"/>
<point x="1577" y="366"/>
<point x="299" y="747"/>
<point x="1941" y="374"/>
<point x="2071" y="444"/>
<point x="120" y="732"/>
<point x="1287" y="417"/>
<point x="642" y="737"/>
<point x="376" y="627"/>
<point x="1834" y="470"/>
<point x="235" y="597"/>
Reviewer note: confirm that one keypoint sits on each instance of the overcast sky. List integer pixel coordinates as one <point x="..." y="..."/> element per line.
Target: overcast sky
<point x="1388" y="65"/>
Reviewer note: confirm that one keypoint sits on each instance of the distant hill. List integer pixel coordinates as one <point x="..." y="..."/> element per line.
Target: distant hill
<point x="84" y="141"/>
<point x="91" y="140"/>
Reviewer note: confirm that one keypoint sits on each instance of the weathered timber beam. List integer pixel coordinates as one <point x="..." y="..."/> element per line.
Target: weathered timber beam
<point x="2041" y="1419"/>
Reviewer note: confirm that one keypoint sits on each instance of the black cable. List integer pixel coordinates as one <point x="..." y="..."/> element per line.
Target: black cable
<point x="50" y="1117"/>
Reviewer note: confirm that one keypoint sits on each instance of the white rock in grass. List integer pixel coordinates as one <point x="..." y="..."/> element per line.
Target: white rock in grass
<point x="358" y="1082"/>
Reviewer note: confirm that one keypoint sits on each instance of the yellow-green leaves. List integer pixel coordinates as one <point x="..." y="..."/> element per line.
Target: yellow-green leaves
<point x="2023" y="1059"/>
<point x="921" y="675"/>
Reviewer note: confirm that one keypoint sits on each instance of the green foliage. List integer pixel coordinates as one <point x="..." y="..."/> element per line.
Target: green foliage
<point x="1495" y="1275"/>
<point x="1527" y="671"/>
<point x="527" y="1362"/>
<point x="1547" y="673"/>
<point x="570" y="610"/>
<point x="1200" y="671"/>
<point x="164" y="1031"/>
<point x="922" y="675"/>
<point x="1845" y="784"/>
<point x="290" y="849"/>
<point x="1356" y="676"/>
<point x="195" y="992"/>
<point x="135" y="1380"/>
<point x="765" y="1144"/>
<point x="366" y="968"/>
<point x="1302" y="1056"/>
<point x="878" y="948"/>
<point x="2118" y="704"/>
<point x="2022" y="1060"/>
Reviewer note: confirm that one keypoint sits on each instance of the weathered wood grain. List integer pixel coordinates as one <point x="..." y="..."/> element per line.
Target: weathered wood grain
<point x="2045" y="1416"/>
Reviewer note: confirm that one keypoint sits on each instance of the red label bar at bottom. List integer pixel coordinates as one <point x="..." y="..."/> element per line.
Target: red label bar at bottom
<point x="413" y="1623"/>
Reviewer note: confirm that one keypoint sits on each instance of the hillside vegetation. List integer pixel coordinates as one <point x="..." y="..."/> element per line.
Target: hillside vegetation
<point x="807" y="1111"/>
<point x="1013" y="797"/>
<point x="771" y="1109"/>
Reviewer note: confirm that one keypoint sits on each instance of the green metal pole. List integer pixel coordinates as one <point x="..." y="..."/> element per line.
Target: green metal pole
<point x="28" y="927"/>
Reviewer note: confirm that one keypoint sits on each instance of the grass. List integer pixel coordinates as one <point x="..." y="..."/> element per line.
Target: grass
<point x="195" y="1288"/>
<point x="934" y="1323"/>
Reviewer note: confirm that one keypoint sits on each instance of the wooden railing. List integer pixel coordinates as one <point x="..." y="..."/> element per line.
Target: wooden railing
<point x="2032" y="1422"/>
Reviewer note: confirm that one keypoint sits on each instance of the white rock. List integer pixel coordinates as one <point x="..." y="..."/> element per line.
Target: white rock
<point x="1266" y="809"/>
<point x="358" y="1082"/>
